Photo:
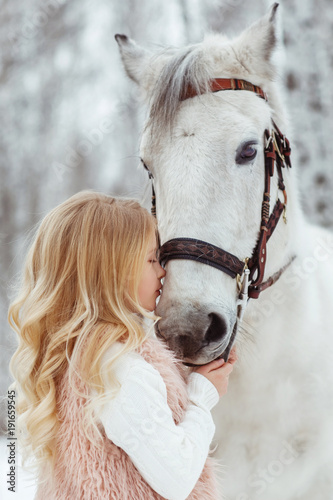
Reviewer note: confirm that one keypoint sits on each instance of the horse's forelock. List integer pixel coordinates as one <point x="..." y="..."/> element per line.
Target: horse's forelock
<point x="185" y="68"/>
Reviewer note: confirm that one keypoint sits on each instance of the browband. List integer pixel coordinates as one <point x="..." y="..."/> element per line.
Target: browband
<point x="219" y="84"/>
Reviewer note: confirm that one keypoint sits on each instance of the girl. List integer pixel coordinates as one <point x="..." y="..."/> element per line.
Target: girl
<point x="104" y="408"/>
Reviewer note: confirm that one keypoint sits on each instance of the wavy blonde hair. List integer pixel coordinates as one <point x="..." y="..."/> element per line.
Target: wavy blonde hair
<point x="79" y="295"/>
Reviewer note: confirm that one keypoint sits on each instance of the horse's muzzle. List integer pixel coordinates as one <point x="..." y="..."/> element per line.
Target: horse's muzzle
<point x="197" y="338"/>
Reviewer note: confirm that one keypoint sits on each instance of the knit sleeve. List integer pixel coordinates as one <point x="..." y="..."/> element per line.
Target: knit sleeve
<point x="138" y="419"/>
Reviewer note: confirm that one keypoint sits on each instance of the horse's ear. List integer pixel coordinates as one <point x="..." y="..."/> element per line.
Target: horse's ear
<point x="261" y="37"/>
<point x="134" y="58"/>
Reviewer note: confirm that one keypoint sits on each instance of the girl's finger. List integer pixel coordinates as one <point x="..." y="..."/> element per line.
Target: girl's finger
<point x="217" y="363"/>
<point x="227" y="369"/>
<point x="233" y="356"/>
<point x="213" y="365"/>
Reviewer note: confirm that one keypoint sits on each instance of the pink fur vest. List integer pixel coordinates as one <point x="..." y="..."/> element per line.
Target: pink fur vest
<point x="86" y="472"/>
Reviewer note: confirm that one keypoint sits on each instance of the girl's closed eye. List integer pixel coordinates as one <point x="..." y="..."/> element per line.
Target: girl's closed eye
<point x="155" y="258"/>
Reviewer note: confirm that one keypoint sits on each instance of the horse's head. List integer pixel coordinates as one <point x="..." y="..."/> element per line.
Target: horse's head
<point x="206" y="156"/>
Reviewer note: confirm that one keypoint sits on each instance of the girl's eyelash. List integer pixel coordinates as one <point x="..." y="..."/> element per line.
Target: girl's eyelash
<point x="156" y="258"/>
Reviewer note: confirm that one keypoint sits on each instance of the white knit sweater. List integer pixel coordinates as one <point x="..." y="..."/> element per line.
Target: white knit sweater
<point x="138" y="419"/>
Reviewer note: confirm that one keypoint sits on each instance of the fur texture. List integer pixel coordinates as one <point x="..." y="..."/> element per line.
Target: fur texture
<point x="86" y="472"/>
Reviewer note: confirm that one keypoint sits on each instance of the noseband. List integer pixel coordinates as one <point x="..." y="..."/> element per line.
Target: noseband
<point x="249" y="272"/>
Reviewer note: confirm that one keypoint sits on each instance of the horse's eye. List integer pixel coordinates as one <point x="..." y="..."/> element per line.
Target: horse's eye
<point x="246" y="153"/>
<point x="249" y="152"/>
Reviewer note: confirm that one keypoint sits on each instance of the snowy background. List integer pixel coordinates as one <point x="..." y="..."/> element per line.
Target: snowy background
<point x="71" y="120"/>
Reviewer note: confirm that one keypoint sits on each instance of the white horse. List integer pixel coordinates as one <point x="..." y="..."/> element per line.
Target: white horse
<point x="275" y="426"/>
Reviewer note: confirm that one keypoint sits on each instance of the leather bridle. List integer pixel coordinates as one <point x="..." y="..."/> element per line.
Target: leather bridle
<point x="249" y="272"/>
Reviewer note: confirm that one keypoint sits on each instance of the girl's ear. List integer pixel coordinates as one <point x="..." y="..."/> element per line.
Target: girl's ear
<point x="135" y="59"/>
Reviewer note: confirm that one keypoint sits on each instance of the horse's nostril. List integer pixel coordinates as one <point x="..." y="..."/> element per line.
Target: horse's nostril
<point x="217" y="328"/>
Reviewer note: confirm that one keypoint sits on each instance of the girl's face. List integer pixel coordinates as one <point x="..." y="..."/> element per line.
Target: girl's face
<point x="150" y="284"/>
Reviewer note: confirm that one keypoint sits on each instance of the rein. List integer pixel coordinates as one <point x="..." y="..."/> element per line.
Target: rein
<point x="249" y="273"/>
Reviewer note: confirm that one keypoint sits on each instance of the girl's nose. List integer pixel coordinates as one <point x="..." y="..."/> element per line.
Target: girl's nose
<point x="161" y="272"/>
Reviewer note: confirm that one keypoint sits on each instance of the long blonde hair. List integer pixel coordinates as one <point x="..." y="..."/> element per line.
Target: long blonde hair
<point x="79" y="295"/>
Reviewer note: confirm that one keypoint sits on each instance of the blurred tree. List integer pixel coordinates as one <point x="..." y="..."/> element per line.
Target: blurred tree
<point x="308" y="32"/>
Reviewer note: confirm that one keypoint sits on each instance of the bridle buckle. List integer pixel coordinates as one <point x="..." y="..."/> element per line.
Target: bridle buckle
<point x="243" y="282"/>
<point x="240" y="277"/>
<point x="276" y="147"/>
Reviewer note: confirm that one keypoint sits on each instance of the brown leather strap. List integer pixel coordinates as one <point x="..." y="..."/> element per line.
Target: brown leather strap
<point x="283" y="146"/>
<point x="258" y="260"/>
<point x="274" y="218"/>
<point x="201" y="251"/>
<point x="255" y="291"/>
<point x="218" y="84"/>
<point x="277" y="152"/>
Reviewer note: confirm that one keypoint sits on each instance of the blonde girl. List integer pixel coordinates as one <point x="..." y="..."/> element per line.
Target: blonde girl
<point x="103" y="407"/>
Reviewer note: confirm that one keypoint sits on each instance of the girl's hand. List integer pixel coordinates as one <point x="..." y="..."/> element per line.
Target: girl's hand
<point x="218" y="371"/>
